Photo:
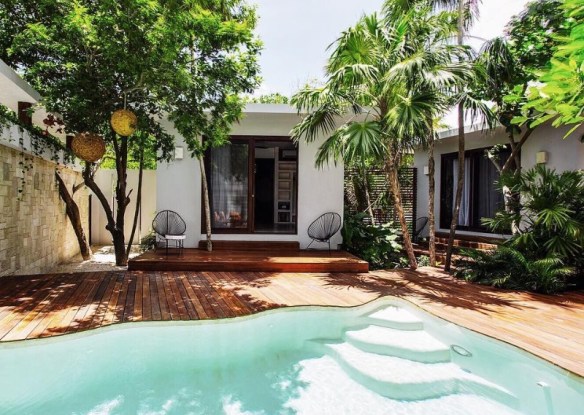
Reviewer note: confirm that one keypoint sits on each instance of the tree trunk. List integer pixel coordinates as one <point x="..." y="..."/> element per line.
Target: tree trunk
<point x="392" y="177"/>
<point x="138" y="200"/>
<point x="461" y="145"/>
<point x="367" y="195"/>
<point x="459" y="187"/>
<point x="431" y="200"/>
<point x="207" y="205"/>
<point x="74" y="217"/>
<point x="122" y="201"/>
<point x="112" y="226"/>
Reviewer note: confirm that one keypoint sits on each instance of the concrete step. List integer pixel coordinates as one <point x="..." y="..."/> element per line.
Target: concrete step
<point x="396" y="318"/>
<point x="404" y="379"/>
<point x="416" y="345"/>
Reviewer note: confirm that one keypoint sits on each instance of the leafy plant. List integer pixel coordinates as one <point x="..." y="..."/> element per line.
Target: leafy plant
<point x="550" y="214"/>
<point x="148" y="242"/>
<point x="507" y="267"/>
<point x="546" y="252"/>
<point x="560" y="92"/>
<point x="378" y="245"/>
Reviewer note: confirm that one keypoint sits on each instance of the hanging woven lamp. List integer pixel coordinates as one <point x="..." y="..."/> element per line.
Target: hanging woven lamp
<point x="88" y="146"/>
<point x="124" y="122"/>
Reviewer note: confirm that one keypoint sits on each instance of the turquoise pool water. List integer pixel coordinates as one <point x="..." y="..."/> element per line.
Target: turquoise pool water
<point x="386" y="357"/>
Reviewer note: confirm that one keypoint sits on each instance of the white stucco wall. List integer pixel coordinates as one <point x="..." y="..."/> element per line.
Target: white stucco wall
<point x="563" y="154"/>
<point x="319" y="190"/>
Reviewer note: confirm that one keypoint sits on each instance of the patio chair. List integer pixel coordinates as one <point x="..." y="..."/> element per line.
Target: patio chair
<point x="169" y="226"/>
<point x="324" y="228"/>
<point x="419" y="226"/>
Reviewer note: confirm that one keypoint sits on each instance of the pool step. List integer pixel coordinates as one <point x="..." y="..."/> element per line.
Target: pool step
<point x="395" y="318"/>
<point x="416" y="345"/>
<point x="355" y="398"/>
<point x="404" y="379"/>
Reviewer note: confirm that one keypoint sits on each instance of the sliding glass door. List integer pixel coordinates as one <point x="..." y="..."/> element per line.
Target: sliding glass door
<point x="229" y="186"/>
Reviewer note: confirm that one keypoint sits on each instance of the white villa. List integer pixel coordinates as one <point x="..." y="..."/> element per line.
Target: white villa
<point x="262" y="187"/>
<point x="480" y="197"/>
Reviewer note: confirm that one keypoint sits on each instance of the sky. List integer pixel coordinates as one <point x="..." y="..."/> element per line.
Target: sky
<point x="296" y="34"/>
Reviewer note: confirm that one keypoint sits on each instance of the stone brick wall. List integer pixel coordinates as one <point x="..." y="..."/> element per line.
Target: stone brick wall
<point x="35" y="233"/>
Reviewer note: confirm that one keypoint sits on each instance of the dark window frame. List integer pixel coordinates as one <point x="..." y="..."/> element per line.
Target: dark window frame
<point x="447" y="191"/>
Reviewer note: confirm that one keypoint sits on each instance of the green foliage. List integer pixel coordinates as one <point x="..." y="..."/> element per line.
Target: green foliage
<point x="274" y="98"/>
<point x="551" y="213"/>
<point x="393" y="71"/>
<point x="88" y="58"/>
<point x="533" y="34"/>
<point x="511" y="62"/>
<point x="547" y="251"/>
<point x="560" y="94"/>
<point x="150" y="157"/>
<point x="40" y="139"/>
<point x="507" y="267"/>
<point x="148" y="242"/>
<point x="378" y="245"/>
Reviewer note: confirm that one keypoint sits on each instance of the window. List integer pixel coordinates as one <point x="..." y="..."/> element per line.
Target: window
<point x="480" y="196"/>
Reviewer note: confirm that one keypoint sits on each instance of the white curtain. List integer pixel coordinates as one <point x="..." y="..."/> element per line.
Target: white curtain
<point x="464" y="212"/>
<point x="229" y="186"/>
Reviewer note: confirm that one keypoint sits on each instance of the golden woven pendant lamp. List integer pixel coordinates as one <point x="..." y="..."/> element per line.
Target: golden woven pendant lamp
<point x="124" y="122"/>
<point x="88" y="146"/>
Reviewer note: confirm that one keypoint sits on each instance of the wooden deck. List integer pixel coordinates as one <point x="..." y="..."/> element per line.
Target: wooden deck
<point x="551" y="327"/>
<point x="255" y="259"/>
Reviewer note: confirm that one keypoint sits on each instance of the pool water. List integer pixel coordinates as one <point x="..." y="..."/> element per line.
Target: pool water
<point x="386" y="357"/>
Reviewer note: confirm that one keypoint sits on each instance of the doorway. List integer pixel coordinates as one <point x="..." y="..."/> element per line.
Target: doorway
<point x="253" y="186"/>
<point x="264" y="194"/>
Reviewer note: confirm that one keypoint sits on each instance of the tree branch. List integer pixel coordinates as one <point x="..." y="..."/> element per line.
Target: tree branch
<point x="88" y="178"/>
<point x="77" y="187"/>
<point x="516" y="150"/>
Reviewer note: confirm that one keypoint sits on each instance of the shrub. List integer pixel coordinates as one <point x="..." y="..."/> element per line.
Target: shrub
<point x="377" y="245"/>
<point x="507" y="267"/>
<point x="148" y="242"/>
<point x="546" y="253"/>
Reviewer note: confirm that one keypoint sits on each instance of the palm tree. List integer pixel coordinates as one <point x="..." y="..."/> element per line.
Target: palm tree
<point x="387" y="73"/>
<point x="467" y="11"/>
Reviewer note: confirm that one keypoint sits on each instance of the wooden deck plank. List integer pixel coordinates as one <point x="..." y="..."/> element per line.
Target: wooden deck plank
<point x="65" y="290"/>
<point x="162" y="298"/>
<point x="182" y="284"/>
<point x="551" y="327"/>
<point x="24" y="301"/>
<point x="102" y="307"/>
<point x="130" y="296"/>
<point x="87" y="310"/>
<point x="112" y="305"/>
<point x="172" y="303"/>
<point x="256" y="260"/>
<point x="32" y="319"/>
<point x="62" y="323"/>
<point x="146" y="299"/>
<point x="154" y="300"/>
<point x="194" y="299"/>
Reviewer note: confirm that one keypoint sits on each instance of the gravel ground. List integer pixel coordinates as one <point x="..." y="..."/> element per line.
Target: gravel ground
<point x="103" y="259"/>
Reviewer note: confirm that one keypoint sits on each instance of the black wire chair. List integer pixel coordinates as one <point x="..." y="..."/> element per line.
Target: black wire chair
<point x="169" y="226"/>
<point x="419" y="226"/>
<point x="324" y="228"/>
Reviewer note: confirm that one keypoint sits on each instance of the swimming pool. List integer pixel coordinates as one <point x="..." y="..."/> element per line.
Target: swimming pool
<point x="386" y="357"/>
